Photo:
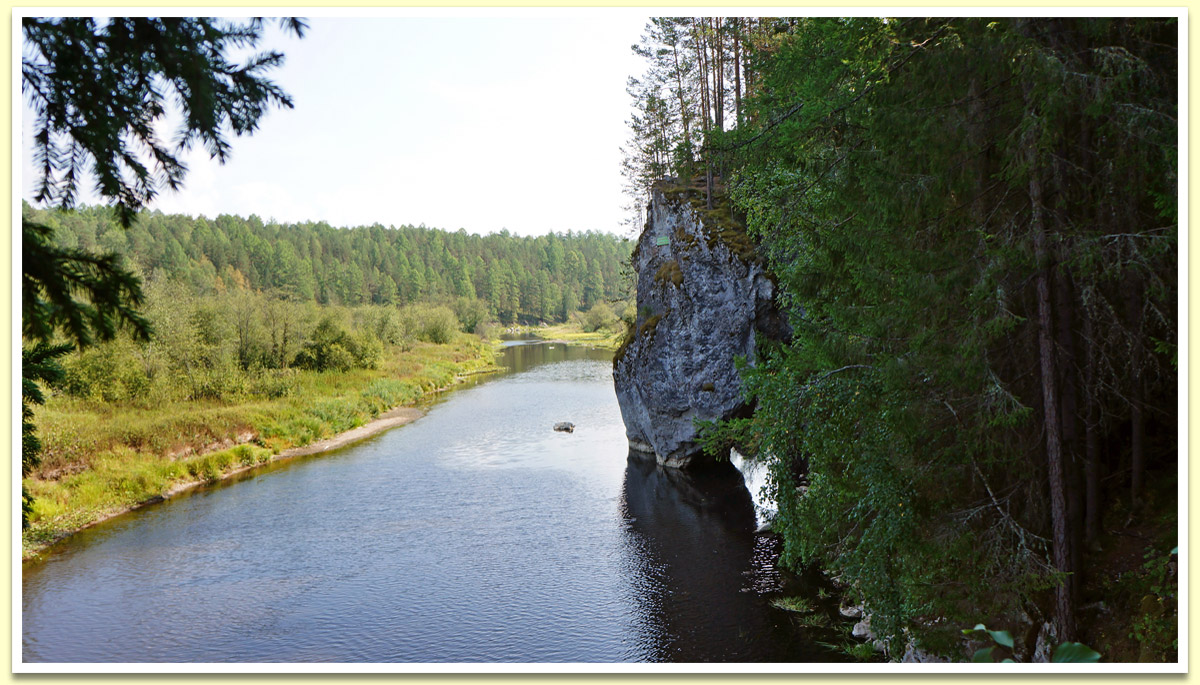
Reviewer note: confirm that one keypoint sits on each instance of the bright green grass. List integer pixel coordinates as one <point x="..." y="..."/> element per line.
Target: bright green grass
<point x="800" y="605"/>
<point x="102" y="459"/>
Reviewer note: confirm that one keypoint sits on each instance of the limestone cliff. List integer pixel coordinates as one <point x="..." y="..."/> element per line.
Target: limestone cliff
<point x="702" y="295"/>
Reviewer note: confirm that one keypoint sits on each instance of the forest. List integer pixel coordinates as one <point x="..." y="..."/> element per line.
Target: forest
<point x="974" y="226"/>
<point x="515" y="279"/>
<point x="234" y="302"/>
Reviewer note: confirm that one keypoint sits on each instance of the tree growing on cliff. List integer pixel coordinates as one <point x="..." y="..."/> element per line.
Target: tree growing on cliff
<point x="964" y="217"/>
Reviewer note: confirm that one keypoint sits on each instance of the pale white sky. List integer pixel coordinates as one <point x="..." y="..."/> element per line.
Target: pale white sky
<point x="512" y="120"/>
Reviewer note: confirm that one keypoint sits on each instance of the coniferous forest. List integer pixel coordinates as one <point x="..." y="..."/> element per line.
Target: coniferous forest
<point x="973" y="223"/>
<point x="514" y="279"/>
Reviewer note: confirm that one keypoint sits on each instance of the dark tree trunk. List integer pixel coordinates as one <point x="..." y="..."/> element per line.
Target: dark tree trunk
<point x="1091" y="462"/>
<point x="1137" y="453"/>
<point x="1060" y="525"/>
<point x="1072" y="458"/>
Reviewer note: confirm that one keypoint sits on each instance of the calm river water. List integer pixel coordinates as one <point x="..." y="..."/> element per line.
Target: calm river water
<point x="476" y="534"/>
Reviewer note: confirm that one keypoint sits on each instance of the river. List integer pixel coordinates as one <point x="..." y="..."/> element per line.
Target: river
<point x="475" y="534"/>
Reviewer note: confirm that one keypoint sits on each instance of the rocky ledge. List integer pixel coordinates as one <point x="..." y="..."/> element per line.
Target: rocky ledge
<point x="703" y="296"/>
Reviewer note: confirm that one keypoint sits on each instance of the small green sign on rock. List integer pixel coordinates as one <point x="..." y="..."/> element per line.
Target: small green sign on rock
<point x="663" y="240"/>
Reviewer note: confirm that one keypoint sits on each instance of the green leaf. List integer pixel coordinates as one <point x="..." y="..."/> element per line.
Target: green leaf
<point x="1001" y="637"/>
<point x="983" y="655"/>
<point x="1074" y="653"/>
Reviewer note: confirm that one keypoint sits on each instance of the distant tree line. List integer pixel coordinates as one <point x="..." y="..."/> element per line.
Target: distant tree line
<point x="518" y="279"/>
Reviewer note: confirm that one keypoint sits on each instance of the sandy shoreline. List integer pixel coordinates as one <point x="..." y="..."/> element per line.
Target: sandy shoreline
<point x="392" y="418"/>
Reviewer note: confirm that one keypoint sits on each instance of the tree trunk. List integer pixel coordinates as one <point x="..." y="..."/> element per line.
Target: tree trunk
<point x="1091" y="461"/>
<point x="1137" y="454"/>
<point x="737" y="71"/>
<point x="748" y="73"/>
<point x="683" y="111"/>
<point x="1067" y="368"/>
<point x="719" y="73"/>
<point x="702" y="69"/>
<point x="1061" y="537"/>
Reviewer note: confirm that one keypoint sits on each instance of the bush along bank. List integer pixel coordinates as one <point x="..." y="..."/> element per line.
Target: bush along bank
<point x="102" y="459"/>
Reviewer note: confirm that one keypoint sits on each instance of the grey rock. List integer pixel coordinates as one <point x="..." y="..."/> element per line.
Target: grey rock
<point x="915" y="655"/>
<point x="851" y="612"/>
<point x="700" y="304"/>
<point x="1044" y="647"/>
<point x="862" y="629"/>
<point x="565" y="427"/>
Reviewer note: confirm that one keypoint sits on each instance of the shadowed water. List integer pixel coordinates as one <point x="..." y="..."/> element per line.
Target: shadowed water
<point x="474" y="534"/>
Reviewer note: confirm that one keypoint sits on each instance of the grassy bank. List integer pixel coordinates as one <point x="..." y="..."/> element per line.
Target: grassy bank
<point x="573" y="334"/>
<point x="102" y="459"/>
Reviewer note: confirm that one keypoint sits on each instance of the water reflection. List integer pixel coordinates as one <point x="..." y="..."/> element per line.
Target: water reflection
<point x="702" y="573"/>
<point x="522" y="355"/>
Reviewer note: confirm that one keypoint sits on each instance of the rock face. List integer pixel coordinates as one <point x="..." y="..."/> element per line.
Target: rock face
<point x="702" y="295"/>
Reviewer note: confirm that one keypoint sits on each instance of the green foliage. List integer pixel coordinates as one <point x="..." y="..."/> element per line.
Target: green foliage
<point x="800" y="604"/>
<point x="332" y="347"/>
<point x="1074" y="653"/>
<point x="498" y="276"/>
<point x="82" y="295"/>
<point x="1067" y="652"/>
<point x="471" y="313"/>
<point x="39" y="366"/>
<point x="860" y="651"/>
<point x="76" y="74"/>
<point x="1156" y="617"/>
<point x="886" y="178"/>
<point x="106" y="373"/>
<point x="430" y="323"/>
<point x="600" y="316"/>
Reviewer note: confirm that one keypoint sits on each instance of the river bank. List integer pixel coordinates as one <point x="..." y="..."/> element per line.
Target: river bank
<point x="108" y="460"/>
<point x="572" y="333"/>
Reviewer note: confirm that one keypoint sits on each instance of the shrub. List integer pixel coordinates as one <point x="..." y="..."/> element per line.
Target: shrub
<point x="331" y="347"/>
<point x="471" y="313"/>
<point x="599" y="316"/>
<point x="432" y="324"/>
<point x="109" y="372"/>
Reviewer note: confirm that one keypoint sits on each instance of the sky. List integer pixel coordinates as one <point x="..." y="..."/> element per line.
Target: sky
<point x="513" y="120"/>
